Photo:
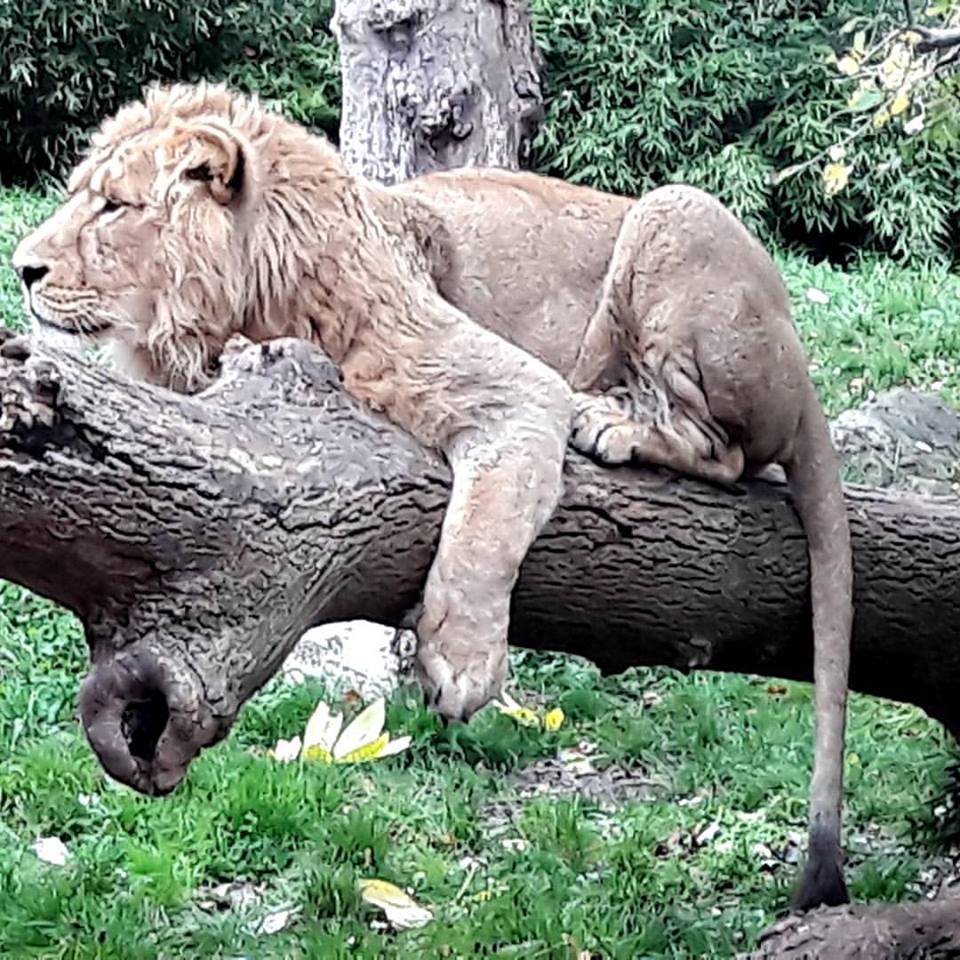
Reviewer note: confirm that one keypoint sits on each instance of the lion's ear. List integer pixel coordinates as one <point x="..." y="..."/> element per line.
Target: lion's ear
<point x="219" y="160"/>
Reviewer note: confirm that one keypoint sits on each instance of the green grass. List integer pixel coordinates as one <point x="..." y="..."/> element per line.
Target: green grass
<point x="630" y="879"/>
<point x="884" y="326"/>
<point x="19" y="212"/>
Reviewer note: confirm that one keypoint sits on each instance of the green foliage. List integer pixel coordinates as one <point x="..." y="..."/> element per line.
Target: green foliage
<point x="725" y="94"/>
<point x="883" y="326"/>
<point x="65" y="65"/>
<point x="20" y="212"/>
<point x="298" y="72"/>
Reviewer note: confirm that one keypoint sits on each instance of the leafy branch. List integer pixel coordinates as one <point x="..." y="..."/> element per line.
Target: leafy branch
<point x="898" y="72"/>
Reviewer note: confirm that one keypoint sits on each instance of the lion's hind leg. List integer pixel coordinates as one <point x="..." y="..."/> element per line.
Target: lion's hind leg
<point x="608" y="428"/>
<point x="639" y="394"/>
<point x="506" y="485"/>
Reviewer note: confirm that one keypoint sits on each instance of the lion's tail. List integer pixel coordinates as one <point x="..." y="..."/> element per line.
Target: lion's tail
<point x="818" y="496"/>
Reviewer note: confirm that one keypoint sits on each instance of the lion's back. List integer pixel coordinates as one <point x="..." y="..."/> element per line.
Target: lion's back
<point x="527" y="254"/>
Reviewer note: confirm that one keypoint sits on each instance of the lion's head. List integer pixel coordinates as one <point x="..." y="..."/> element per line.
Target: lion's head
<point x="160" y="247"/>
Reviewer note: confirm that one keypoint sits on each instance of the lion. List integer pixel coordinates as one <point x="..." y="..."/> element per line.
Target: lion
<point x="496" y="316"/>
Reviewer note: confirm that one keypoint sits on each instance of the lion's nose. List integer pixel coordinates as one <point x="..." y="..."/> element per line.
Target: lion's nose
<point x="31" y="273"/>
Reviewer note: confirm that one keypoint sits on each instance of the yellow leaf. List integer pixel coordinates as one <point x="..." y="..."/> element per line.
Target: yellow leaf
<point x="835" y="177"/>
<point x="848" y="66"/>
<point x="860" y="43"/>
<point x="553" y="720"/>
<point x="894" y="67"/>
<point x="523" y="715"/>
<point x="318" y="753"/>
<point x="322" y="729"/>
<point x="368" y="751"/>
<point x="900" y="103"/>
<point x="395" y="746"/>
<point x="362" y="740"/>
<point x="400" y="908"/>
<point x="364" y="729"/>
<point x="880" y="118"/>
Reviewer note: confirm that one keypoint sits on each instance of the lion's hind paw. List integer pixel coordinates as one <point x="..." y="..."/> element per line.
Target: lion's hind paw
<point x="602" y="430"/>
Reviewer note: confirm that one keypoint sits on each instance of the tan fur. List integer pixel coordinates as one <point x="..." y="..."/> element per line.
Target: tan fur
<point x="463" y="305"/>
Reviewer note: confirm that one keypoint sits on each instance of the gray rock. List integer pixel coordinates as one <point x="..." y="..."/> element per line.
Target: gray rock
<point x="902" y="439"/>
<point x="359" y="655"/>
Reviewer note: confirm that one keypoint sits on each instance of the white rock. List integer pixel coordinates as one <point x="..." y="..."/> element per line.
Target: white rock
<point x="51" y="850"/>
<point x="276" y="921"/>
<point x="357" y="655"/>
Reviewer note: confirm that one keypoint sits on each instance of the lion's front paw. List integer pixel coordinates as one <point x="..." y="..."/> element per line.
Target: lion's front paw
<point x="458" y="690"/>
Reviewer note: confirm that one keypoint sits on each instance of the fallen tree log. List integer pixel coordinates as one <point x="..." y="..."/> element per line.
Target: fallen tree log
<point x="903" y="931"/>
<point x="197" y="538"/>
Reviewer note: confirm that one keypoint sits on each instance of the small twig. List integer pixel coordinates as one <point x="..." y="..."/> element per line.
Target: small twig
<point x="787" y="172"/>
<point x="909" y="12"/>
<point x="471" y="873"/>
<point x="947" y="61"/>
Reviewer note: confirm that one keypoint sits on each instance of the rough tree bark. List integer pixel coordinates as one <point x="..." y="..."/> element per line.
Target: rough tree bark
<point x="908" y="931"/>
<point x="197" y="538"/>
<point x="436" y="84"/>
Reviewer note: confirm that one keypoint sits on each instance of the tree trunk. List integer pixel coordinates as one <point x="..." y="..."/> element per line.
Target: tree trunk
<point x="197" y="538"/>
<point x="436" y="84"/>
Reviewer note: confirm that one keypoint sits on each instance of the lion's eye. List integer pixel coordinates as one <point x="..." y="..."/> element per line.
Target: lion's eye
<point x="110" y="206"/>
